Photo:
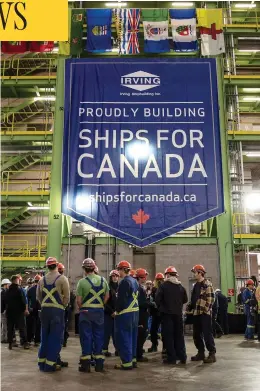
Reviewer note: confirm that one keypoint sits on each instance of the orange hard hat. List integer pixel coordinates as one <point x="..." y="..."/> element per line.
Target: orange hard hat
<point x="37" y="277"/>
<point x="198" y="268"/>
<point x="171" y="269"/>
<point x="89" y="263"/>
<point x="141" y="273"/>
<point x="51" y="261"/>
<point x="159" y="276"/>
<point x="114" y="273"/>
<point x="132" y="273"/>
<point x="124" y="265"/>
<point x="61" y="266"/>
<point x="250" y="282"/>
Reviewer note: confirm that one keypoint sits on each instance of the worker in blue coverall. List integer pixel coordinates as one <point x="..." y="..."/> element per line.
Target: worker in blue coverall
<point x="92" y="295"/>
<point x="109" y="322"/>
<point x="126" y="320"/>
<point x="248" y="296"/>
<point x="53" y="294"/>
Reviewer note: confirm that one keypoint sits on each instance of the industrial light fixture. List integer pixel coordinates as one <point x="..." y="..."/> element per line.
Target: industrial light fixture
<point x="116" y="4"/>
<point x="45" y="98"/>
<point x="182" y="4"/>
<point x="251" y="89"/>
<point x="248" y="50"/>
<point x="253" y="154"/>
<point x="251" y="99"/>
<point x="29" y="203"/>
<point x="38" y="207"/>
<point x="252" y="201"/>
<point x="245" y="5"/>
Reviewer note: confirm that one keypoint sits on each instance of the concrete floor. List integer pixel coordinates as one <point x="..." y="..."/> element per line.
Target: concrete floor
<point x="237" y="369"/>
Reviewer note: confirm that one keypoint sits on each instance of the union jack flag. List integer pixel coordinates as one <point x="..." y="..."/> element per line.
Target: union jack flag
<point x="129" y="40"/>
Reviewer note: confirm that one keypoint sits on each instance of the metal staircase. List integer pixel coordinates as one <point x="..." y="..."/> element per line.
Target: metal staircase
<point x="15" y="218"/>
<point x="28" y="65"/>
<point x="18" y="163"/>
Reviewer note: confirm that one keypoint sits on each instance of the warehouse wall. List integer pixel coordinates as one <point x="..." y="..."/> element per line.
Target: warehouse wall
<point x="154" y="259"/>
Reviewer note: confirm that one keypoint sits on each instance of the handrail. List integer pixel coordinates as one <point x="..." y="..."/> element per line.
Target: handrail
<point x="242" y="224"/>
<point x="42" y="182"/>
<point x="23" y="245"/>
<point x="26" y="65"/>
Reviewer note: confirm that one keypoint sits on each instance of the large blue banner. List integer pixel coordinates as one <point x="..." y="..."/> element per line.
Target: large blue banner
<point x="142" y="156"/>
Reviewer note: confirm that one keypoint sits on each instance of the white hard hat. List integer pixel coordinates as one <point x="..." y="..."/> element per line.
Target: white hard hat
<point x="5" y="281"/>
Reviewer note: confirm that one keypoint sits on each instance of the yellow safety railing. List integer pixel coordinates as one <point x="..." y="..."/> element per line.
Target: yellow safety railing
<point x="23" y="246"/>
<point x="235" y="126"/>
<point x="28" y="65"/>
<point x="246" y="223"/>
<point x="241" y="17"/>
<point x="39" y="184"/>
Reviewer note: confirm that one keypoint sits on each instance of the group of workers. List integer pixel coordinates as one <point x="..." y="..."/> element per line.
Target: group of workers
<point x="119" y="308"/>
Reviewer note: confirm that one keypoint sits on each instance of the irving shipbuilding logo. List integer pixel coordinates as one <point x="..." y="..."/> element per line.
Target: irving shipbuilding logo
<point x="140" y="81"/>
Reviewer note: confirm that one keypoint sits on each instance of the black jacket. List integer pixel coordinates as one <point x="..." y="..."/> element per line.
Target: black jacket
<point x="222" y="302"/>
<point x="143" y="302"/>
<point x="3" y="300"/>
<point x="15" y="301"/>
<point x="171" y="296"/>
<point x="110" y="305"/>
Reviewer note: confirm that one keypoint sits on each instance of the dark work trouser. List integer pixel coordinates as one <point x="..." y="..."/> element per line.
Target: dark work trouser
<point x="142" y="333"/>
<point x="156" y="321"/>
<point x="222" y="319"/>
<point x="173" y="337"/>
<point x="33" y="324"/>
<point x="66" y="325"/>
<point x="109" y="331"/>
<point x="16" y="321"/>
<point x="258" y="327"/>
<point x="202" y="333"/>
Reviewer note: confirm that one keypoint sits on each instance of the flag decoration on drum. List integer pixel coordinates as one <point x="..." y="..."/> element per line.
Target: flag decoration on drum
<point x="155" y="25"/>
<point x="211" y="31"/>
<point x="99" y="30"/>
<point x="41" y="46"/>
<point x="74" y="45"/>
<point x="183" y="22"/>
<point x="14" y="47"/>
<point x="128" y="23"/>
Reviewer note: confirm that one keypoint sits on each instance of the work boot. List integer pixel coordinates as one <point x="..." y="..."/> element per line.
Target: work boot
<point x="107" y="354"/>
<point x="64" y="364"/>
<point x="167" y="362"/>
<point x="135" y="365"/>
<point x="119" y="366"/>
<point x="199" y="357"/>
<point x="116" y="353"/>
<point x="99" y="366"/>
<point x="210" y="359"/>
<point x="152" y="349"/>
<point x="142" y="359"/>
<point x="10" y="346"/>
<point x="84" y="366"/>
<point x="26" y="346"/>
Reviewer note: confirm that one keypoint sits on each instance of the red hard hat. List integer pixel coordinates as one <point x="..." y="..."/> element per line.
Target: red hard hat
<point x="89" y="263"/>
<point x="114" y="273"/>
<point x="51" y="261"/>
<point x="142" y="273"/>
<point x="250" y="282"/>
<point x="198" y="268"/>
<point x="61" y="266"/>
<point x="124" y="265"/>
<point x="171" y="269"/>
<point x="159" y="276"/>
<point x="132" y="273"/>
<point x="37" y="277"/>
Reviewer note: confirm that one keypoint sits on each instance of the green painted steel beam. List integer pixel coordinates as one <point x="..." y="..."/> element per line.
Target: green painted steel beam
<point x="29" y="263"/>
<point x="23" y="138"/>
<point x="244" y="137"/>
<point x="29" y="82"/>
<point x="25" y="198"/>
<point x="55" y="216"/>
<point x="243" y="81"/>
<point x="248" y="241"/>
<point x="224" y="221"/>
